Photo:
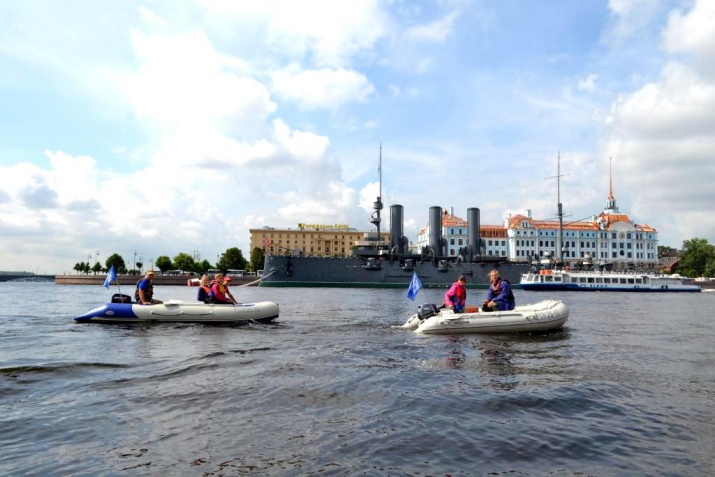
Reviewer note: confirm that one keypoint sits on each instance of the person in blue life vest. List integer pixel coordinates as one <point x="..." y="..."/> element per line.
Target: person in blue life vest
<point x="144" y="294"/>
<point x="456" y="296"/>
<point x="204" y="289"/>
<point x="499" y="297"/>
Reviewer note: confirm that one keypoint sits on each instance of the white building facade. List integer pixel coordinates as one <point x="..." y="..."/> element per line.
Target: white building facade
<point x="608" y="238"/>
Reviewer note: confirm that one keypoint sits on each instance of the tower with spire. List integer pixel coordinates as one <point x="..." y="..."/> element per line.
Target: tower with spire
<point x="611" y="207"/>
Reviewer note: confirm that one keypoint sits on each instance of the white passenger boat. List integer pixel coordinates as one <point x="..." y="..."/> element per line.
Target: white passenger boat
<point x="542" y="316"/>
<point x="180" y="312"/>
<point x="605" y="281"/>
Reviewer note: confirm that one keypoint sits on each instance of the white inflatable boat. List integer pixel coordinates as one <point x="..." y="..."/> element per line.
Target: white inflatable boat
<point x="180" y="312"/>
<point x="542" y="316"/>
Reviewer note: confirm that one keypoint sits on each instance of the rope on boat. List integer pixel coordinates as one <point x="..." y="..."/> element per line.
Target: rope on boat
<point x="256" y="281"/>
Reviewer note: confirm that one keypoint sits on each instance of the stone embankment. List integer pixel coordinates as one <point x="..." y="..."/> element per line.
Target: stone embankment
<point x="133" y="279"/>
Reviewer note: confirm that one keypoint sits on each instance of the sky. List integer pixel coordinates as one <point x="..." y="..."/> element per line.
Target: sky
<point x="158" y="127"/>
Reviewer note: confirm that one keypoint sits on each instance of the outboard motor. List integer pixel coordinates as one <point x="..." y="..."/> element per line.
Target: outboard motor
<point x="121" y="298"/>
<point x="427" y="310"/>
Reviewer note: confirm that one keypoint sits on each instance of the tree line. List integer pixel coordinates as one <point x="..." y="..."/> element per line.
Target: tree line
<point x="231" y="259"/>
<point x="697" y="258"/>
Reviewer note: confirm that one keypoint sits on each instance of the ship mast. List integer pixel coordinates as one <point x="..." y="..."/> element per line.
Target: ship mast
<point x="559" y="210"/>
<point x="375" y="217"/>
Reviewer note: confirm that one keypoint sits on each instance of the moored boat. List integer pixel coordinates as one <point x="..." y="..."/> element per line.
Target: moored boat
<point x="180" y="312"/>
<point x="376" y="262"/>
<point x="535" y="317"/>
<point x="565" y="280"/>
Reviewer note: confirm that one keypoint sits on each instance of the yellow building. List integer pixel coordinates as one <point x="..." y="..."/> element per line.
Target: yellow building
<point x="311" y="240"/>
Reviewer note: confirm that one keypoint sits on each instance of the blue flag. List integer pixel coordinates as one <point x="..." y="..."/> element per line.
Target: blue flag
<point x="112" y="275"/>
<point x="415" y="286"/>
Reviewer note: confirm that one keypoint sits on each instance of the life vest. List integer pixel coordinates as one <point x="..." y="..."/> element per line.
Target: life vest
<point x="456" y="295"/>
<point x="148" y="293"/>
<point x="220" y="293"/>
<point x="496" y="290"/>
<point x="204" y="293"/>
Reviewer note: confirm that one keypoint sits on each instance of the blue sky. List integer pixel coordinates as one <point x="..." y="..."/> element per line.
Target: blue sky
<point x="176" y="126"/>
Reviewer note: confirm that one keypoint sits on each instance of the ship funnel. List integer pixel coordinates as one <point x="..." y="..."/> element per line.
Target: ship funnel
<point x="396" y="229"/>
<point x="435" y="230"/>
<point x="473" y="239"/>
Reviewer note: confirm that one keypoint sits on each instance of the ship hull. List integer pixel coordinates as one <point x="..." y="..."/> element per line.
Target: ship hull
<point x="291" y="271"/>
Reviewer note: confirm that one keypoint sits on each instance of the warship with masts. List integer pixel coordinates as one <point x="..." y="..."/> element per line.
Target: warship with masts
<point x="375" y="263"/>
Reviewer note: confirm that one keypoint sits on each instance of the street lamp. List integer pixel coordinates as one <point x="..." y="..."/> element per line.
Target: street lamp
<point x="134" y="265"/>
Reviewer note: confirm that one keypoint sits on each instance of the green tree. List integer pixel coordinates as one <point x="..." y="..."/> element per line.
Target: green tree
<point x="118" y="262"/>
<point x="96" y="268"/>
<point x="163" y="263"/>
<point x="77" y="267"/>
<point x="257" y="258"/>
<point x="697" y="256"/>
<point x="203" y="266"/>
<point x="185" y="262"/>
<point x="140" y="265"/>
<point x="232" y="259"/>
<point x="86" y="268"/>
<point x="665" y="251"/>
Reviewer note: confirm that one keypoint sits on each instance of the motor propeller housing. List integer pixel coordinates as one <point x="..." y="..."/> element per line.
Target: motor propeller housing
<point x="426" y="310"/>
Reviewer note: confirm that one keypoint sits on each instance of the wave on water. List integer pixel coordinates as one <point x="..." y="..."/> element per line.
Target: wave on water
<point x="57" y="368"/>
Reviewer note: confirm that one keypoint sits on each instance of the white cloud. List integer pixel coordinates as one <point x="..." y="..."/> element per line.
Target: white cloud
<point x="661" y="138"/>
<point x="588" y="83"/>
<point x="628" y="17"/>
<point x="693" y="32"/>
<point x="325" y="88"/>
<point x="328" y="32"/>
<point x="183" y="79"/>
<point x="150" y="18"/>
<point x="436" y="31"/>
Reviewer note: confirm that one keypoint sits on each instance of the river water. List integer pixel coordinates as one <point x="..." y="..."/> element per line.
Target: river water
<point x="627" y="387"/>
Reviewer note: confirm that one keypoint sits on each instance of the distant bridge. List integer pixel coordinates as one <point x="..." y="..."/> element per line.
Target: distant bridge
<point x="8" y="277"/>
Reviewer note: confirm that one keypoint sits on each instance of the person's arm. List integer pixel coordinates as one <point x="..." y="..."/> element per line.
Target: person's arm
<point x="448" y="297"/>
<point x="490" y="295"/>
<point x="504" y="292"/>
<point x="228" y="294"/>
<point x="142" y="297"/>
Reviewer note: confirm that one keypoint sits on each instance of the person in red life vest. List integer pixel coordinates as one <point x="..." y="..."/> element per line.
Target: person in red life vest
<point x="456" y="296"/>
<point x="219" y="294"/>
<point x="145" y="290"/>
<point x="204" y="289"/>
<point x="499" y="297"/>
